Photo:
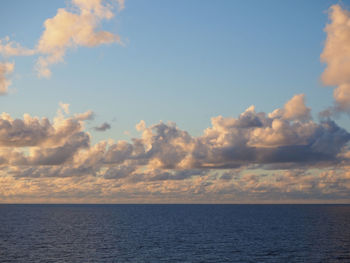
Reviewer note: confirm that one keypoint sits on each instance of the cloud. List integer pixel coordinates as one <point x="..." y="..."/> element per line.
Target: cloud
<point x="121" y="5"/>
<point x="103" y="127"/>
<point x="6" y="68"/>
<point x="89" y="115"/>
<point x="61" y="148"/>
<point x="60" y="154"/>
<point x="64" y="107"/>
<point x="336" y="54"/>
<point x="282" y="155"/>
<point x="71" y="27"/>
<point x="294" y="109"/>
<point x="327" y="185"/>
<point x="32" y="131"/>
<point x="10" y="48"/>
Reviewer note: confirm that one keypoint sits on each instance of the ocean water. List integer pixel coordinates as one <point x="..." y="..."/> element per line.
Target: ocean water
<point x="174" y="233"/>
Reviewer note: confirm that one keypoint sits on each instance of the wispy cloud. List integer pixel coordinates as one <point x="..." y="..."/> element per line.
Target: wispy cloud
<point x="10" y="48"/>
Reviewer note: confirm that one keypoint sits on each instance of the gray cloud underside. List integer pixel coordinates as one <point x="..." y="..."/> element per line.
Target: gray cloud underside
<point x="103" y="127"/>
<point x="35" y="147"/>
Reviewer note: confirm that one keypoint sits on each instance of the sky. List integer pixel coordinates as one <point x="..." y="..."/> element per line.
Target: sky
<point x="130" y="101"/>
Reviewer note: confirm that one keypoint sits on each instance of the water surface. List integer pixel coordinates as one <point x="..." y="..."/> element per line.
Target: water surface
<point x="174" y="233"/>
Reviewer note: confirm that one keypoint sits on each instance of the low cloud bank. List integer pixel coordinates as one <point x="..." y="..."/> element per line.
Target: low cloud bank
<point x="286" y="140"/>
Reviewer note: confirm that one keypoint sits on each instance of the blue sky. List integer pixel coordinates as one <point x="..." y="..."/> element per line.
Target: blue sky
<point x="184" y="62"/>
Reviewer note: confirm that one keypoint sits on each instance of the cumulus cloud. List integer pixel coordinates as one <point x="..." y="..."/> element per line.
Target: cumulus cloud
<point x="163" y="152"/>
<point x="103" y="127"/>
<point x="32" y="131"/>
<point x="61" y="154"/>
<point x="276" y="141"/>
<point x="73" y="26"/>
<point x="294" y="109"/>
<point x="6" y="68"/>
<point x="255" y="156"/>
<point x="336" y="55"/>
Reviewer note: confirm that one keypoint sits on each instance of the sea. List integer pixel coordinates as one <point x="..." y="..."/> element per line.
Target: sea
<point x="174" y="233"/>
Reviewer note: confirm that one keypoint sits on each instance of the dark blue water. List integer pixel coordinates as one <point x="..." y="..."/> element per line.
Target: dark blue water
<point x="174" y="233"/>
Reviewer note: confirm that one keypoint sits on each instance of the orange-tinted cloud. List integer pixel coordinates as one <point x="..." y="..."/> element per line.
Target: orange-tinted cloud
<point x="6" y="68"/>
<point x="33" y="147"/>
<point x="336" y="55"/>
<point x="10" y="48"/>
<point x="74" y="26"/>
